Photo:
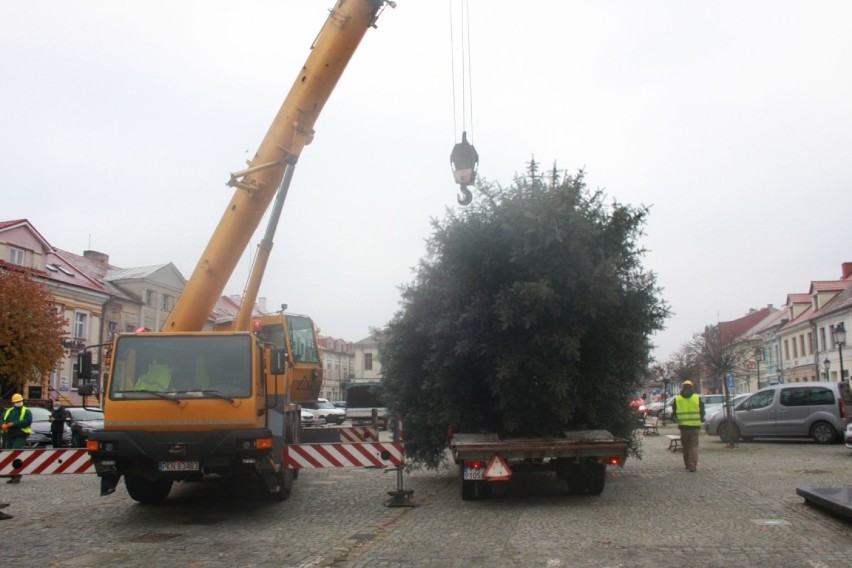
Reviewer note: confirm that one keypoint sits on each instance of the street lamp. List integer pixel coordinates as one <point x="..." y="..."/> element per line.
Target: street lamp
<point x="758" y="357"/>
<point x="827" y="365"/>
<point x="839" y="334"/>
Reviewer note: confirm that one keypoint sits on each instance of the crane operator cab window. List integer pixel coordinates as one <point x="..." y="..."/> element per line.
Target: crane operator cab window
<point x="147" y="366"/>
<point x="156" y="378"/>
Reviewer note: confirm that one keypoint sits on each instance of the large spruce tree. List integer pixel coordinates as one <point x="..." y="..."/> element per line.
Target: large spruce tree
<point x="531" y="314"/>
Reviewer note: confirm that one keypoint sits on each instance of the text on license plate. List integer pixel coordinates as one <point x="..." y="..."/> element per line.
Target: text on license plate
<point x="474" y="474"/>
<point x="178" y="466"/>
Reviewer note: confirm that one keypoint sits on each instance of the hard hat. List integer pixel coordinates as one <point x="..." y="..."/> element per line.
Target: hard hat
<point x="687" y="383"/>
<point x="17" y="398"/>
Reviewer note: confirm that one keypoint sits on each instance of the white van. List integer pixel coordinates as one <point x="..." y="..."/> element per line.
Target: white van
<point x="818" y="410"/>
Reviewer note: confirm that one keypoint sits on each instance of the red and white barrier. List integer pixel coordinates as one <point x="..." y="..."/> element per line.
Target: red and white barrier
<point x="359" y="434"/>
<point x="42" y="462"/>
<point x="368" y="454"/>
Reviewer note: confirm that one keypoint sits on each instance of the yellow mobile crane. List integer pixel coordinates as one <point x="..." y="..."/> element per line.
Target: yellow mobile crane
<point x="184" y="403"/>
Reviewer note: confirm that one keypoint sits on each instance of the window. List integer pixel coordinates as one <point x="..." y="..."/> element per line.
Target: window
<point x="81" y="325"/>
<point x="17" y="256"/>
<point x="168" y="302"/>
<point x="822" y="339"/>
<point x="786" y="349"/>
<point x="794" y="397"/>
<point x="368" y="361"/>
<point x="150" y="298"/>
<point x="760" y="400"/>
<point x="810" y="343"/>
<point x="112" y="328"/>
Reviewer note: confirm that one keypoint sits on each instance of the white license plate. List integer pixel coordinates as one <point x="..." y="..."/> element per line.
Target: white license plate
<point x="474" y="474"/>
<point x="178" y="466"/>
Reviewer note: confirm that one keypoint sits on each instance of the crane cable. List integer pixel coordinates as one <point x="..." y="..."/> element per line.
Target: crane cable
<point x="463" y="158"/>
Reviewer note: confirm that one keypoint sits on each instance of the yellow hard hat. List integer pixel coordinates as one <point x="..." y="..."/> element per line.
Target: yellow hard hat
<point x="687" y="383"/>
<point x="17" y="398"/>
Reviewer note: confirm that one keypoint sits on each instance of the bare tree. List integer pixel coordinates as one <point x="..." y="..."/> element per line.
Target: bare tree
<point x="718" y="358"/>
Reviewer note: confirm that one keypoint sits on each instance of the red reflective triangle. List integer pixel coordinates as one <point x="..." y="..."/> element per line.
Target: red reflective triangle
<point x="497" y="469"/>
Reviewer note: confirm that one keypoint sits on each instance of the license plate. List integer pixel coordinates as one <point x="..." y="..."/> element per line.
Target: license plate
<point x="178" y="466"/>
<point x="474" y="474"/>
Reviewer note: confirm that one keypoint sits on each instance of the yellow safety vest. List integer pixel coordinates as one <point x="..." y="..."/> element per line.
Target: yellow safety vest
<point x="688" y="410"/>
<point x="26" y="430"/>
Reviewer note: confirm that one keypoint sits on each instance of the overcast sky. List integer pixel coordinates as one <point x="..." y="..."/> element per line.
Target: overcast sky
<point x="731" y="120"/>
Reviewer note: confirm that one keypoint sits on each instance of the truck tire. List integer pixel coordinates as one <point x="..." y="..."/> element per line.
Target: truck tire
<point x="146" y="491"/>
<point x="285" y="478"/>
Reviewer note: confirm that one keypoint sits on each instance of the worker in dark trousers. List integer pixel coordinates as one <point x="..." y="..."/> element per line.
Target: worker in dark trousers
<point x="58" y="417"/>
<point x="16" y="427"/>
<point x="688" y="410"/>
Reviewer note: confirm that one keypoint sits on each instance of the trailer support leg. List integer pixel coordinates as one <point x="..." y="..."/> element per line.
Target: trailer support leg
<point x="401" y="497"/>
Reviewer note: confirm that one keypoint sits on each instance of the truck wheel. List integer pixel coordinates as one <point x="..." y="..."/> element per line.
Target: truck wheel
<point x="146" y="491"/>
<point x="284" y="477"/>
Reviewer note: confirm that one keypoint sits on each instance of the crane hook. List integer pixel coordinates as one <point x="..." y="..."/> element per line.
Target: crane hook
<point x="464" y="161"/>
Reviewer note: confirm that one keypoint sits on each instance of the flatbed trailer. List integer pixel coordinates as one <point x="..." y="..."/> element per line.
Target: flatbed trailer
<point x="580" y="457"/>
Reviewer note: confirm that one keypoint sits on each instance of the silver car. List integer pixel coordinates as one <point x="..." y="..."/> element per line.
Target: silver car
<point x="816" y="410"/>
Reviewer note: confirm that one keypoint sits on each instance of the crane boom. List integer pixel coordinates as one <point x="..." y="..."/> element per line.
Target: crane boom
<point x="291" y="130"/>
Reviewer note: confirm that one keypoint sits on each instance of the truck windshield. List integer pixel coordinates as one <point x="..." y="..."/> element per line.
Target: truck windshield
<point x="302" y="338"/>
<point x="181" y="366"/>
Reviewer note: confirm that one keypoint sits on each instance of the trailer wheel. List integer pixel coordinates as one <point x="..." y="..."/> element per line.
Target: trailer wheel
<point x="595" y="478"/>
<point x="586" y="479"/>
<point x="146" y="491"/>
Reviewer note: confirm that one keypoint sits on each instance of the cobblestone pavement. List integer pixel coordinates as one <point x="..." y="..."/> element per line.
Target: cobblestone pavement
<point x="739" y="509"/>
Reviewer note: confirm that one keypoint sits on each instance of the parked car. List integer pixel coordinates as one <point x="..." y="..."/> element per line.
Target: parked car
<point x="666" y="413"/>
<point x="638" y="406"/>
<point x="308" y="418"/>
<point x="712" y="408"/>
<point x="83" y="422"/>
<point x="849" y="435"/>
<point x="817" y="410"/>
<point x="322" y="408"/>
<point x="41" y="437"/>
<point x="339" y="404"/>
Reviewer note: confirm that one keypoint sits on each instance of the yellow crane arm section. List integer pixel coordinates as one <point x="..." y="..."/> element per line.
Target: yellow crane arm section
<point x="292" y="129"/>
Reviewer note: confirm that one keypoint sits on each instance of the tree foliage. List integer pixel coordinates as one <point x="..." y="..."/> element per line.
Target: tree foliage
<point x="31" y="331"/>
<point x="530" y="314"/>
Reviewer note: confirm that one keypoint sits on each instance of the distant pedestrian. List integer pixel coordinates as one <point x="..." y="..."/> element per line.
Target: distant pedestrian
<point x="688" y="410"/>
<point x="16" y="428"/>
<point x="58" y="417"/>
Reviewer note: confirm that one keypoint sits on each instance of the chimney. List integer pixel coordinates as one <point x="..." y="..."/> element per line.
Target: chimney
<point x="102" y="258"/>
<point x="847" y="269"/>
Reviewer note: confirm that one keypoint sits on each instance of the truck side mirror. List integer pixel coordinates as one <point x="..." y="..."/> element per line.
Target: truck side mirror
<point x="84" y="365"/>
<point x="278" y="361"/>
<point x="86" y="390"/>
